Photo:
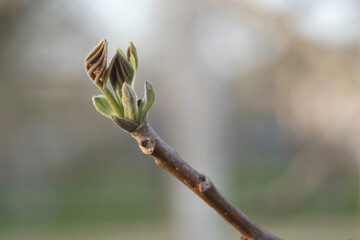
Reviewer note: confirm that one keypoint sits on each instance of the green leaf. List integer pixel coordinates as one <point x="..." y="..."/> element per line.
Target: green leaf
<point x="129" y="100"/>
<point x="147" y="102"/>
<point x="103" y="106"/>
<point x="127" y="71"/>
<point x="118" y="93"/>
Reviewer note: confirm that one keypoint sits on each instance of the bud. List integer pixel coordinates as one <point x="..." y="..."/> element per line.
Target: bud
<point x="121" y="70"/>
<point x="95" y="63"/>
<point x="131" y="54"/>
<point x="129" y="100"/>
<point x="147" y="102"/>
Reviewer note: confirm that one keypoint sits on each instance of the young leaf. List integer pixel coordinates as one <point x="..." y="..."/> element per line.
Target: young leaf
<point x="120" y="70"/>
<point x="103" y="106"/>
<point x="131" y="55"/>
<point x="129" y="100"/>
<point x="147" y="102"/>
<point x="95" y="63"/>
<point x="122" y="53"/>
<point x="110" y="71"/>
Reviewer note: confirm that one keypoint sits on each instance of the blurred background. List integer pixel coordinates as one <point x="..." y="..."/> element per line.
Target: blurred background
<point x="262" y="96"/>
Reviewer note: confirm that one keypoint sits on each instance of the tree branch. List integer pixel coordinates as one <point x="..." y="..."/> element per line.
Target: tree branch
<point x="166" y="157"/>
<point x="131" y="114"/>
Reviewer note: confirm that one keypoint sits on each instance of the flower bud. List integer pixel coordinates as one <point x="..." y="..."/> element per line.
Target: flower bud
<point x="95" y="62"/>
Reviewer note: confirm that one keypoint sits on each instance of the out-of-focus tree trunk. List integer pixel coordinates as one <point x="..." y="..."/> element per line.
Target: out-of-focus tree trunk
<point x="189" y="125"/>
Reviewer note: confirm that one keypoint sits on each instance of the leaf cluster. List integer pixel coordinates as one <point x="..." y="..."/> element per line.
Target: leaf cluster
<point x="120" y="100"/>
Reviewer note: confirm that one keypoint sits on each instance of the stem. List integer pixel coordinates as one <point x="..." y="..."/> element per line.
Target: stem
<point x="116" y="106"/>
<point x="166" y="157"/>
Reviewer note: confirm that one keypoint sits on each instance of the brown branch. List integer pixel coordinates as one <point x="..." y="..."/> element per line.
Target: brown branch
<point x="166" y="157"/>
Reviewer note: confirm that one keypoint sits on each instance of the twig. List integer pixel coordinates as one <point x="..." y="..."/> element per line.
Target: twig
<point x="166" y="157"/>
<point x="130" y="113"/>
